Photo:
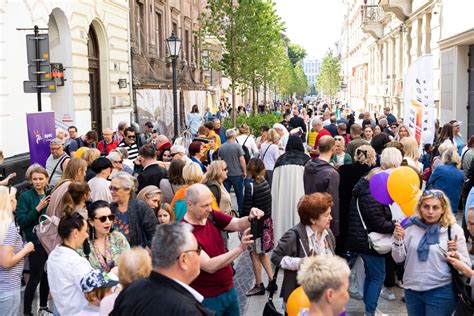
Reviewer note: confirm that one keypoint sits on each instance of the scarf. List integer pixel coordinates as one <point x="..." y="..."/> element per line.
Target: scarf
<point x="431" y="237"/>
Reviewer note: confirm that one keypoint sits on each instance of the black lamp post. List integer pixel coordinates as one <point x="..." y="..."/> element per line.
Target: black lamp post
<point x="174" y="46"/>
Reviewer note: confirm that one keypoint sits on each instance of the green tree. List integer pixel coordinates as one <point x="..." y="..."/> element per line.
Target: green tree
<point x="329" y="79"/>
<point x="296" y="53"/>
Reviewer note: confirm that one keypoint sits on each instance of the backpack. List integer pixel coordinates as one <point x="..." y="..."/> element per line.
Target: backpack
<point x="245" y="149"/>
<point x="67" y="149"/>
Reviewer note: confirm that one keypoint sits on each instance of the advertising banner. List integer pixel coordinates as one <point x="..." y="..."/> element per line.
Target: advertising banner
<point x="41" y="130"/>
<point x="418" y="100"/>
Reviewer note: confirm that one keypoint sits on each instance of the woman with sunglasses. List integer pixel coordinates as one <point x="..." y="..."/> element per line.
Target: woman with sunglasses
<point x="340" y="156"/>
<point x="214" y="179"/>
<point x="423" y="244"/>
<point x="106" y="244"/>
<point x="133" y="218"/>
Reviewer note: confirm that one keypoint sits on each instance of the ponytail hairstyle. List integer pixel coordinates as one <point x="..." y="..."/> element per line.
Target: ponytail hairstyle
<point x="76" y="191"/>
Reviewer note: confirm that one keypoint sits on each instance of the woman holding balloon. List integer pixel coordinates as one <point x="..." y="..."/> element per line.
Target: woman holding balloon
<point x="369" y="208"/>
<point x="423" y="244"/>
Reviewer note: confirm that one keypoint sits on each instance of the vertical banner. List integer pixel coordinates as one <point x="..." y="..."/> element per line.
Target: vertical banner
<point x="41" y="130"/>
<point x="418" y="99"/>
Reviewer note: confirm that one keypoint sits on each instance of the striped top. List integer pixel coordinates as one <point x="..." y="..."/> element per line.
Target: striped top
<point x="132" y="149"/>
<point x="11" y="278"/>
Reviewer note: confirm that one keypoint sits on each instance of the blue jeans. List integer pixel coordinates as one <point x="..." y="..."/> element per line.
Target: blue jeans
<point x="237" y="182"/>
<point x="374" y="276"/>
<point x="440" y="301"/>
<point x="10" y="302"/>
<point x="225" y="304"/>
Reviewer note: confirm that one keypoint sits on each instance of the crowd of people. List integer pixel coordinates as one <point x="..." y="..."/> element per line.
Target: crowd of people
<point x="128" y="223"/>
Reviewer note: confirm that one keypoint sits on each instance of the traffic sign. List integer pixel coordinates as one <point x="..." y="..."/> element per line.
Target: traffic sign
<point x="45" y="72"/>
<point x="43" y="47"/>
<point x="33" y="87"/>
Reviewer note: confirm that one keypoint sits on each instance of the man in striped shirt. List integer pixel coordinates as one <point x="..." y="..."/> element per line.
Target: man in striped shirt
<point x="129" y="142"/>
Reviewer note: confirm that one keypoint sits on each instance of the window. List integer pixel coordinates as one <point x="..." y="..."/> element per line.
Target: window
<point x="141" y="27"/>
<point x="186" y="46"/>
<point x="158" y="34"/>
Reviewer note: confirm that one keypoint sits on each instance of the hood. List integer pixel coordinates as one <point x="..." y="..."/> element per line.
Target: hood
<point x="317" y="165"/>
<point x="361" y="188"/>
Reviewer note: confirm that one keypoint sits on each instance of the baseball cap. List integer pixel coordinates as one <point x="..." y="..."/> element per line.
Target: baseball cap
<point x="98" y="279"/>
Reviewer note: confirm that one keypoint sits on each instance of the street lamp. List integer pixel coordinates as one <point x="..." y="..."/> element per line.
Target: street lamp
<point x="174" y="46"/>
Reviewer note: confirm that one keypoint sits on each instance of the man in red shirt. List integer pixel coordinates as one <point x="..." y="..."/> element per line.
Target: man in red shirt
<point x="318" y="128"/>
<point x="108" y="143"/>
<point x="216" y="281"/>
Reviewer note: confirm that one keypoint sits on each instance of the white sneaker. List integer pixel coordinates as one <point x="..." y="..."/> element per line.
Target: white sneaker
<point x="387" y="294"/>
<point x="379" y="313"/>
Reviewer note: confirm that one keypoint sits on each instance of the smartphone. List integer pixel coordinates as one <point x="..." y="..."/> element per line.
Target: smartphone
<point x="256" y="229"/>
<point x="442" y="251"/>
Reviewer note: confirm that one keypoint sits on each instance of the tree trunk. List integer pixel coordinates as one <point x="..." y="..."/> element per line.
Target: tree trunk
<point x="265" y="93"/>
<point x="254" y="99"/>
<point x="234" y="109"/>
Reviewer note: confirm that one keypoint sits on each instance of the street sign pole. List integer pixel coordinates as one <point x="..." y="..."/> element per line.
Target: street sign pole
<point x="38" y="68"/>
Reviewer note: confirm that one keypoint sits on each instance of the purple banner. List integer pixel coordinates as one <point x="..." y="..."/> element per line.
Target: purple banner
<point x="41" y="130"/>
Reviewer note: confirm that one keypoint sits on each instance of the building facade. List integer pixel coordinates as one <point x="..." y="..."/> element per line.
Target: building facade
<point x="90" y="38"/>
<point x="311" y="68"/>
<point x="153" y="21"/>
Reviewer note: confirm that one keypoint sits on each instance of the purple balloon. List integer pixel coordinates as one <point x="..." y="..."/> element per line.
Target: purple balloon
<point x="378" y="188"/>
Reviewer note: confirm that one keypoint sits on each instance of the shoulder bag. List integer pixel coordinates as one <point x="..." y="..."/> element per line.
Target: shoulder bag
<point x="381" y="243"/>
<point x="270" y="309"/>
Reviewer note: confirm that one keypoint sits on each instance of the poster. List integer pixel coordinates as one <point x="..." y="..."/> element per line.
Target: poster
<point x="418" y="99"/>
<point x="41" y="130"/>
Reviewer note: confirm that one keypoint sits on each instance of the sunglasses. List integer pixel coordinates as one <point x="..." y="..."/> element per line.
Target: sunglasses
<point x="131" y="137"/>
<point x="112" y="188"/>
<point x="102" y="219"/>
<point x="338" y="138"/>
<point x="435" y="193"/>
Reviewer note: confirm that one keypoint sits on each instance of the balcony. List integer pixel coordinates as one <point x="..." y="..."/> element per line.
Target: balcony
<point x="372" y="16"/>
<point x="401" y="8"/>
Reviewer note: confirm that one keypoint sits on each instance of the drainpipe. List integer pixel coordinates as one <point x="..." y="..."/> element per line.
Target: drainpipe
<point x="133" y="103"/>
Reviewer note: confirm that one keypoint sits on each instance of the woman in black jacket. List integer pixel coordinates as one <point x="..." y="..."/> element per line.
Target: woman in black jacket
<point x="378" y="218"/>
<point x="258" y="194"/>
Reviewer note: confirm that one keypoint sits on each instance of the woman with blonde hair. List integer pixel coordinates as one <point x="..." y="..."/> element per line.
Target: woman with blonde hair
<point x="447" y="177"/>
<point x="192" y="174"/>
<point x="245" y="138"/>
<point x="12" y="254"/>
<point x="402" y="131"/>
<point x="423" y="244"/>
<point x="412" y="153"/>
<point x="152" y="196"/>
<point x="90" y="155"/>
<point x="214" y="179"/>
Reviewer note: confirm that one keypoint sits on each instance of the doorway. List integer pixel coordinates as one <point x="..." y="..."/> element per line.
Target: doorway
<point x="93" y="55"/>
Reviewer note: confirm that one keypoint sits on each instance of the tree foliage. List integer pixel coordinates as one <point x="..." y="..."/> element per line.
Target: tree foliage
<point x="296" y="53"/>
<point x="329" y="79"/>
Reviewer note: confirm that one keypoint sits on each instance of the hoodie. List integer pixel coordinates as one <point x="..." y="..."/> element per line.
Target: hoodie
<point x="320" y="176"/>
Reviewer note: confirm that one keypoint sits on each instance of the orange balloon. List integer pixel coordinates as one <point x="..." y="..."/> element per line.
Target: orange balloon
<point x="403" y="184"/>
<point x="296" y="301"/>
<point x="408" y="208"/>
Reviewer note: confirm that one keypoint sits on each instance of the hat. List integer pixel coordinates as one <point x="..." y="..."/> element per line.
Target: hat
<point x="176" y="149"/>
<point x="98" y="279"/>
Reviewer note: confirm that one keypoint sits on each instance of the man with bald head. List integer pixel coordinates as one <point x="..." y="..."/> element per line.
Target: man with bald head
<point x="108" y="143"/>
<point x="320" y="176"/>
<point x="317" y="125"/>
<point x="215" y="282"/>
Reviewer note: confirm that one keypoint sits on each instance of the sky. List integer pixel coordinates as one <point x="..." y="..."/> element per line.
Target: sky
<point x="313" y="24"/>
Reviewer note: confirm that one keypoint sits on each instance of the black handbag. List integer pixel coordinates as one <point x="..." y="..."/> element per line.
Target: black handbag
<point x="465" y="304"/>
<point x="270" y="309"/>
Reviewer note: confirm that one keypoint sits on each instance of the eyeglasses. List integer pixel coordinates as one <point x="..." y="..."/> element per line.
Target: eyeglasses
<point x="131" y="137"/>
<point x="338" y="138"/>
<point x="119" y="161"/>
<point x="435" y="193"/>
<point x="112" y="188"/>
<point x="198" y="250"/>
<point x="102" y="219"/>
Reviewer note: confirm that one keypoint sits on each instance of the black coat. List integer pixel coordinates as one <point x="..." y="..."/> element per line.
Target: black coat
<point x="257" y="195"/>
<point x="157" y="295"/>
<point x="297" y="121"/>
<point x="151" y="175"/>
<point x="377" y="217"/>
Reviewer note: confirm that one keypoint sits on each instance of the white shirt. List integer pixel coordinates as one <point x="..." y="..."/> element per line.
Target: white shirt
<point x="320" y="247"/>
<point x="66" y="268"/>
<point x="194" y="293"/>
<point x="250" y="144"/>
<point x="100" y="189"/>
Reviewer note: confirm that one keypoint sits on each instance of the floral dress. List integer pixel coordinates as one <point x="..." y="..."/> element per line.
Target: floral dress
<point x="115" y="245"/>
